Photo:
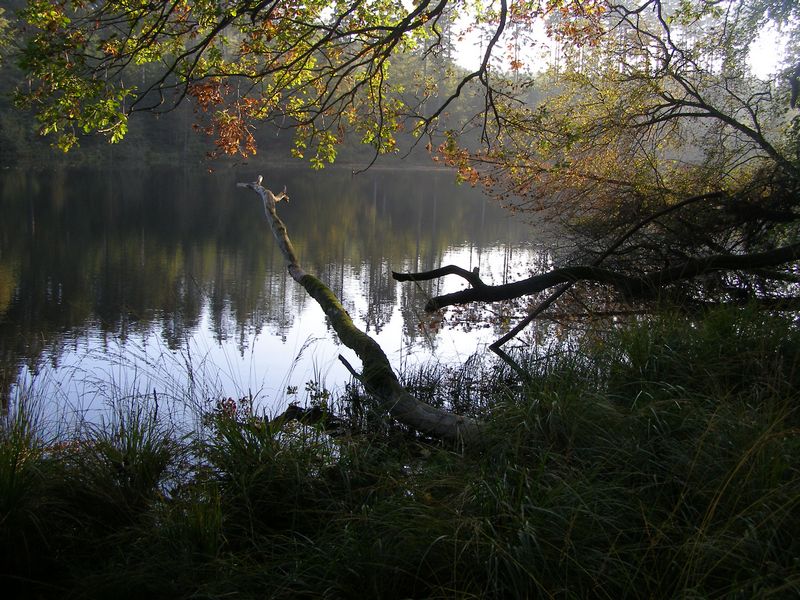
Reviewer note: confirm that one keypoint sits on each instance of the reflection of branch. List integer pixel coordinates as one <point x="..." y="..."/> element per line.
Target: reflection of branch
<point x="472" y="277"/>
<point x="377" y="375"/>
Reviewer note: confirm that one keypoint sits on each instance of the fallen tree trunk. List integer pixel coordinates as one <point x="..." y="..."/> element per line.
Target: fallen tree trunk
<point x="377" y="375"/>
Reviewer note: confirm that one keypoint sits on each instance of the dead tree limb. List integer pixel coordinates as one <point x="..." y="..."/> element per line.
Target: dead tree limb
<point x="631" y="286"/>
<point x="475" y="281"/>
<point x="377" y="374"/>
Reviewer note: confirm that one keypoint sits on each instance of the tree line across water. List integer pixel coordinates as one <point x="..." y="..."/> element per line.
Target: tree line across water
<point x="676" y="171"/>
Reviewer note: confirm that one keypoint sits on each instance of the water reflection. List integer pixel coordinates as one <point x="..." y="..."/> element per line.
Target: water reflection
<point x="152" y="276"/>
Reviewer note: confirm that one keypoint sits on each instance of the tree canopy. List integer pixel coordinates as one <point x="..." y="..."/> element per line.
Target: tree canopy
<point x="625" y="78"/>
<point x="655" y="129"/>
<point x="317" y="67"/>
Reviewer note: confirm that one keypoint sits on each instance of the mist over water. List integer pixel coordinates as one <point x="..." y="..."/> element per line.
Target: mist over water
<point x="168" y="282"/>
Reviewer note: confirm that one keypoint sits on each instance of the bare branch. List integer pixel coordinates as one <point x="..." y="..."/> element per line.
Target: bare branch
<point x="630" y="286"/>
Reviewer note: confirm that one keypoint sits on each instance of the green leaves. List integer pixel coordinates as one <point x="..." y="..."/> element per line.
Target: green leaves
<point x="315" y="68"/>
<point x="320" y="69"/>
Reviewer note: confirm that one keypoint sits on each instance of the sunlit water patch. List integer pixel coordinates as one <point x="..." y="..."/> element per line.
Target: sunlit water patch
<point x="170" y="286"/>
<point x="221" y="358"/>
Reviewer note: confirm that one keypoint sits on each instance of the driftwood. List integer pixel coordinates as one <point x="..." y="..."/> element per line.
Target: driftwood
<point x="377" y="374"/>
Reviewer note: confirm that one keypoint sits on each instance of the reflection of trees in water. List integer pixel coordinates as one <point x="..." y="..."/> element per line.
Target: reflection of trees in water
<point x="381" y="296"/>
<point x="127" y="253"/>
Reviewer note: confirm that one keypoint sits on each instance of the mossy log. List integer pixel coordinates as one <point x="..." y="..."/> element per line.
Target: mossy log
<point x="377" y="374"/>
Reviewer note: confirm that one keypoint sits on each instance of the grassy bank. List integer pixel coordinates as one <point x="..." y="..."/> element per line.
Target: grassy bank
<point x="661" y="460"/>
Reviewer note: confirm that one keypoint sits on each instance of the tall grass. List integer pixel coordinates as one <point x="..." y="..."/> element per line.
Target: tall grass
<point x="658" y="461"/>
<point x="23" y="475"/>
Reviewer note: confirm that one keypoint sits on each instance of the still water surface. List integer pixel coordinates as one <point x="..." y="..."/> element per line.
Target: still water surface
<point x="168" y="280"/>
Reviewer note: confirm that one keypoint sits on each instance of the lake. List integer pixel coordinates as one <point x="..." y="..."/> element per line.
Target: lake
<point x="168" y="282"/>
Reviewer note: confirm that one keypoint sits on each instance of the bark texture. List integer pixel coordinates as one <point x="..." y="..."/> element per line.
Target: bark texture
<point x="377" y="374"/>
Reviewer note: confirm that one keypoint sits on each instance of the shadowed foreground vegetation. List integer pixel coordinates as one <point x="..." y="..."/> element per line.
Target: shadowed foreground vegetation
<point x="660" y="460"/>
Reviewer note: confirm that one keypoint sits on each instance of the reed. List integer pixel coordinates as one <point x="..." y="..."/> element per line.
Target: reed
<point x="658" y="460"/>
